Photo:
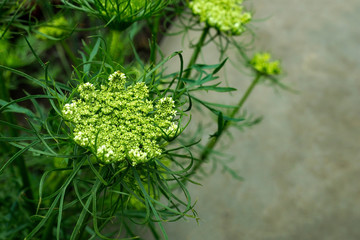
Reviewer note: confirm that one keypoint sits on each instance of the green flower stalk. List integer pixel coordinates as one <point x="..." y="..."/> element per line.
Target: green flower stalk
<point x="55" y="28"/>
<point x="261" y="62"/>
<point x="227" y="16"/>
<point x="119" y="122"/>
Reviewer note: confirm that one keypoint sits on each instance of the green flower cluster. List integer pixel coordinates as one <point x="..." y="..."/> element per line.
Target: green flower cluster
<point x="55" y="28"/>
<point x="261" y="62"/>
<point x="225" y="15"/>
<point x="120" y="123"/>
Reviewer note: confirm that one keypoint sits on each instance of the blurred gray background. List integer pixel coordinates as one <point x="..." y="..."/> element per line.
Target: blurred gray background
<point x="301" y="165"/>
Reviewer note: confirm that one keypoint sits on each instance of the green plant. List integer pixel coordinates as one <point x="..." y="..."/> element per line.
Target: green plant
<point x="96" y="151"/>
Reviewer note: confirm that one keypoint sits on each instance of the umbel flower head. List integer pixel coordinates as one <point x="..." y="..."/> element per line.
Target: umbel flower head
<point x="261" y="62"/>
<point x="227" y="16"/>
<point x="120" y="14"/>
<point x="119" y="123"/>
<point x="55" y="28"/>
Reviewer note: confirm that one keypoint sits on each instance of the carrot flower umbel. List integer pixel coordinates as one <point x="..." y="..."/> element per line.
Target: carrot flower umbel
<point x="56" y="28"/>
<point x="227" y="16"/>
<point x="263" y="64"/>
<point x="119" y="123"/>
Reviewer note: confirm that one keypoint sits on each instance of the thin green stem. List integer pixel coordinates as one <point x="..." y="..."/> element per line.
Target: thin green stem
<point x="69" y="52"/>
<point x="154" y="26"/>
<point x="154" y="37"/>
<point x="82" y="234"/>
<point x="194" y="56"/>
<point x="63" y="60"/>
<point x="153" y="230"/>
<point x="197" y="50"/>
<point x="48" y="232"/>
<point x="213" y="141"/>
<point x="245" y="97"/>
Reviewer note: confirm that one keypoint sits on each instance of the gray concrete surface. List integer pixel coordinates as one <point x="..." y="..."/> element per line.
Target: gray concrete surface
<point x="302" y="163"/>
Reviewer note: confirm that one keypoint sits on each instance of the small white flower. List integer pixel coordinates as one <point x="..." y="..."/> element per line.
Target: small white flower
<point x="101" y="149"/>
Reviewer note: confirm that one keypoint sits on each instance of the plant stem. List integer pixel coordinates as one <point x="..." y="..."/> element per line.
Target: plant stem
<point x="69" y="52"/>
<point x="194" y="56"/>
<point x="48" y="232"/>
<point x="197" y="51"/>
<point x="63" y="60"/>
<point x="82" y="233"/>
<point x="154" y="37"/>
<point x="84" y="223"/>
<point x="154" y="26"/>
<point x="153" y="230"/>
<point x="212" y="142"/>
<point x="245" y="97"/>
